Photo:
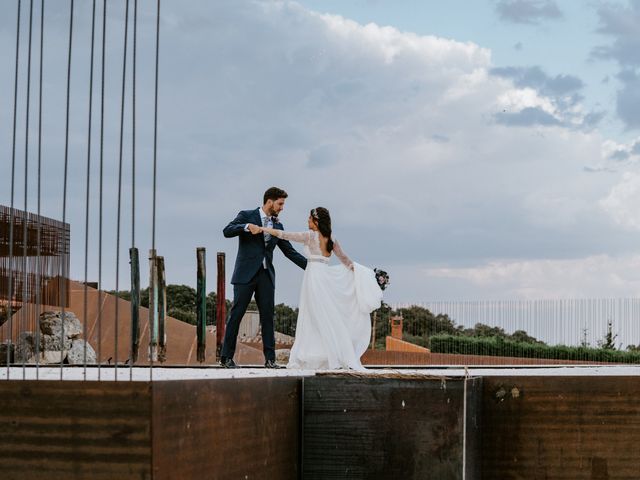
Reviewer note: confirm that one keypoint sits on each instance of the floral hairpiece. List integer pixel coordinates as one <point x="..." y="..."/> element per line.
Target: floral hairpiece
<point x="314" y="214"/>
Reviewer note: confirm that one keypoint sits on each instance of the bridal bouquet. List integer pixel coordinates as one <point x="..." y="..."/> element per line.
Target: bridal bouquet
<point x="382" y="278"/>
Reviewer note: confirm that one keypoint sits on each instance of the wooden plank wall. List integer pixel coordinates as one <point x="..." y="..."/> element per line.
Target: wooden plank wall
<point x="561" y="428"/>
<point x="52" y="430"/>
<point x="353" y="427"/>
<point x="227" y="429"/>
<point x="389" y="428"/>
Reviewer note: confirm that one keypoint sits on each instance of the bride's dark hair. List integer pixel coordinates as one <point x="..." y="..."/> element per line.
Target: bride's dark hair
<point x="323" y="221"/>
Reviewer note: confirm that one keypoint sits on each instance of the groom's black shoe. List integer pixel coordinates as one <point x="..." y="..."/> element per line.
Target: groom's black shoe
<point x="272" y="364"/>
<point x="227" y="362"/>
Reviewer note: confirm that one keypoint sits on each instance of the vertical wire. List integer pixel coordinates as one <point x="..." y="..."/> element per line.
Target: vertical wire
<point x="39" y="240"/>
<point x="100" y="187"/>
<point x="155" y="131"/>
<point x="133" y="150"/>
<point x="12" y="212"/>
<point x="133" y="128"/>
<point x="119" y="207"/>
<point x="25" y="283"/>
<point x="88" y="191"/>
<point x="64" y="194"/>
<point x="155" y="150"/>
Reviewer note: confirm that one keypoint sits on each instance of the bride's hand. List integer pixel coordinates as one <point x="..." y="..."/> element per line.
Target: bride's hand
<point x="255" y="229"/>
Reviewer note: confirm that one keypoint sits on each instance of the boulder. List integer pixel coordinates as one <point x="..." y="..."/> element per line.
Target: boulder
<point x="48" y="358"/>
<point x="25" y="347"/>
<point x="75" y="356"/>
<point x="51" y="324"/>
<point x="52" y="343"/>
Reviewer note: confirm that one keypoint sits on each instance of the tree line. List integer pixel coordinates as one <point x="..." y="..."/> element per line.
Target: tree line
<point x="181" y="305"/>
<point x="420" y="325"/>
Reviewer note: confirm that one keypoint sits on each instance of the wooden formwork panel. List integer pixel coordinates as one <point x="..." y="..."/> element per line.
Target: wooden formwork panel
<point x="390" y="428"/>
<point x="559" y="428"/>
<point x="227" y="429"/>
<point x="201" y="429"/>
<point x="52" y="430"/>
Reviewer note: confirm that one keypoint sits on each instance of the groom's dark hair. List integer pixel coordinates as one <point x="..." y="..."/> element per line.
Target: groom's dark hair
<point x="274" y="193"/>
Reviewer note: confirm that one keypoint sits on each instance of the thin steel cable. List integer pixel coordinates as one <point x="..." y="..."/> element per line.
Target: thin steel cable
<point x="39" y="187"/>
<point x="64" y="190"/>
<point x="100" y="188"/>
<point x="26" y="185"/>
<point x="133" y="128"/>
<point x="155" y="154"/>
<point x="119" y="207"/>
<point x="133" y="153"/>
<point x="155" y="132"/>
<point x="12" y="214"/>
<point x="88" y="191"/>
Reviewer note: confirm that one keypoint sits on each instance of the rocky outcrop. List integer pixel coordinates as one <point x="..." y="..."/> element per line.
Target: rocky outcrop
<point x="52" y="323"/>
<point x="76" y="354"/>
<point x="60" y="340"/>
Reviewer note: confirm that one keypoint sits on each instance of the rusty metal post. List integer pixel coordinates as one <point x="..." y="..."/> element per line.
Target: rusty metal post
<point x="201" y="303"/>
<point x="134" y="261"/>
<point x="221" y="304"/>
<point x="153" y="307"/>
<point x="162" y="309"/>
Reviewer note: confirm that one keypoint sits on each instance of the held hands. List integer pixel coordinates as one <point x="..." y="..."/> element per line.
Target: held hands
<point x="254" y="229"/>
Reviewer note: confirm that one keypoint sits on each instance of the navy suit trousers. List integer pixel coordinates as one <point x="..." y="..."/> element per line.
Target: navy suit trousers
<point x="262" y="285"/>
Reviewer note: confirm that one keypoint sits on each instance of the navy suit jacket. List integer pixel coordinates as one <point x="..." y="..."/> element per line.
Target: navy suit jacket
<point x="252" y="249"/>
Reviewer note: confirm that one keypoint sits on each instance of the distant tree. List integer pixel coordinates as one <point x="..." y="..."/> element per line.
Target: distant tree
<point x="181" y="302"/>
<point x="183" y="315"/>
<point x="181" y="297"/>
<point x="482" y="330"/>
<point x="286" y="319"/>
<point x="421" y="322"/>
<point x="524" y="337"/>
<point x="609" y="340"/>
<point x="584" y="342"/>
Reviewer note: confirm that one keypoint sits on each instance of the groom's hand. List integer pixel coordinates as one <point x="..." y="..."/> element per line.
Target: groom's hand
<point x="254" y="229"/>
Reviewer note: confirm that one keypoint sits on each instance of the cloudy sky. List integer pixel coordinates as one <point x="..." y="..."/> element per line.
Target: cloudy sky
<point x="475" y="150"/>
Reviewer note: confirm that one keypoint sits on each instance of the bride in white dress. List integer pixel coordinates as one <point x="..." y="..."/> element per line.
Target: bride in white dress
<point x="334" y="327"/>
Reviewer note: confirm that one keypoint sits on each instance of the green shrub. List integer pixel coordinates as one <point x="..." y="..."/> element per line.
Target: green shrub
<point x="498" y="347"/>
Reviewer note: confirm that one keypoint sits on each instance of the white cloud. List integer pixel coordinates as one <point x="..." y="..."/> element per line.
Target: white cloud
<point x="595" y="276"/>
<point x="519" y="99"/>
<point x="394" y="132"/>
<point x="623" y="201"/>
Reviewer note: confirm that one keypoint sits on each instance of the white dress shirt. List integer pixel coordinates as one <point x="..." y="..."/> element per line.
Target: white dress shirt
<point x="265" y="223"/>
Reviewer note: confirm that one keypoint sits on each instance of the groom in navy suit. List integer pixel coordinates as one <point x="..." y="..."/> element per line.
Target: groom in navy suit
<point x="254" y="272"/>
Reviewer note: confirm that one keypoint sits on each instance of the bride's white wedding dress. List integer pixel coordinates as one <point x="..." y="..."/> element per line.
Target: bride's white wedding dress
<point x="334" y="327"/>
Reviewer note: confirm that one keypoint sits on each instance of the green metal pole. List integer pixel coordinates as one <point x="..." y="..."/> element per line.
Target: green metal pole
<point x="153" y="307"/>
<point x="221" y="307"/>
<point x="201" y="303"/>
<point x="134" y="260"/>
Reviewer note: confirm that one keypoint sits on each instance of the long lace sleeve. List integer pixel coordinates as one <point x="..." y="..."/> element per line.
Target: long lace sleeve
<point x="337" y="249"/>
<point x="300" y="237"/>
